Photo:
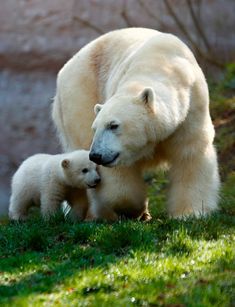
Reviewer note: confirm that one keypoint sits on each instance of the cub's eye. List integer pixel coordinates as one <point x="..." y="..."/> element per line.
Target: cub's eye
<point x="85" y="170"/>
<point x="113" y="126"/>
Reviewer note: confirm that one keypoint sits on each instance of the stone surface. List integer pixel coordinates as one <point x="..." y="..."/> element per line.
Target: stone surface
<point x="25" y="122"/>
<point x="35" y="33"/>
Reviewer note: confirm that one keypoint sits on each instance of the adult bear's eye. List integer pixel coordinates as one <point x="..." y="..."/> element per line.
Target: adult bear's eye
<point x="113" y="126"/>
<point x="85" y="170"/>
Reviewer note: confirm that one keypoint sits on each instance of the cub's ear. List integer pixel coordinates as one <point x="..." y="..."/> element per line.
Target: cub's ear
<point x="97" y="108"/>
<point x="147" y="96"/>
<point x="65" y="163"/>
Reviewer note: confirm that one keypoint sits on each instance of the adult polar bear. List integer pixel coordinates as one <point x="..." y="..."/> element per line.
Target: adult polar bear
<point x="155" y="109"/>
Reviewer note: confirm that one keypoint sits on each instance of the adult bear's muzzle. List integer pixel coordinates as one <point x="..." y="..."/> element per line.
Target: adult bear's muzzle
<point x="103" y="159"/>
<point x="105" y="149"/>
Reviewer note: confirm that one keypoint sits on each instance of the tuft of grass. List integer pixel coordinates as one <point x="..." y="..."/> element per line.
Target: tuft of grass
<point x="121" y="237"/>
<point x="179" y="243"/>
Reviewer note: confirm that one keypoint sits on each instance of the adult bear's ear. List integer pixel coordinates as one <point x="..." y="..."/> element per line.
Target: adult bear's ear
<point x="65" y="163"/>
<point x="97" y="108"/>
<point x="147" y="96"/>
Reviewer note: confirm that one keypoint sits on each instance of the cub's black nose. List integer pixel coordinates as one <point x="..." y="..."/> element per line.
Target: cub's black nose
<point x="97" y="180"/>
<point x="95" y="157"/>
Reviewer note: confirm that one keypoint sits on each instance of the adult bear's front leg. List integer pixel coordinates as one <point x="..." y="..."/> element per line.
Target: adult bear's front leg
<point x="122" y="192"/>
<point x="194" y="184"/>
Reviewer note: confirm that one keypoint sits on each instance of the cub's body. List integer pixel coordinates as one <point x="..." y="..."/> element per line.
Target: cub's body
<point x="47" y="180"/>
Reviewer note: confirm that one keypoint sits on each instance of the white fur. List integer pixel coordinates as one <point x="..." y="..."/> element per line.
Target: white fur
<point x="50" y="179"/>
<point x="173" y="125"/>
<point x="129" y="199"/>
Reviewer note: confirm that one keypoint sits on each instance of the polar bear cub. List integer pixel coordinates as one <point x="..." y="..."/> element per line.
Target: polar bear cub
<point x="48" y="180"/>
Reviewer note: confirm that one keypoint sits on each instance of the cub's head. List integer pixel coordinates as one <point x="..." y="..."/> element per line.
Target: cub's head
<point x="79" y="171"/>
<point x="124" y="131"/>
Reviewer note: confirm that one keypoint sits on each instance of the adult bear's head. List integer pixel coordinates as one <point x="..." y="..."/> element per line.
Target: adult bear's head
<point x="124" y="129"/>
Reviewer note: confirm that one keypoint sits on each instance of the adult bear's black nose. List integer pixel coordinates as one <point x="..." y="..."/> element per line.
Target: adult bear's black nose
<point x="95" y="157"/>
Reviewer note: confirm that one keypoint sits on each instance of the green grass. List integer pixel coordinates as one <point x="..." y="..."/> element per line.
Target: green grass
<point x="164" y="262"/>
<point x="161" y="263"/>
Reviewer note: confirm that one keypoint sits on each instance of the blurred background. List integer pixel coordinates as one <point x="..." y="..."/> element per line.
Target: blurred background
<point x="37" y="37"/>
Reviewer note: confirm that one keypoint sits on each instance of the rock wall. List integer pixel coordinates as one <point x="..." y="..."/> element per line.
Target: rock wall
<point x="37" y="33"/>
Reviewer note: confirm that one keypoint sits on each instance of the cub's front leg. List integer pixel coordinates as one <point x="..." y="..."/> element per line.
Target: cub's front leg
<point x="78" y="201"/>
<point x="51" y="200"/>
